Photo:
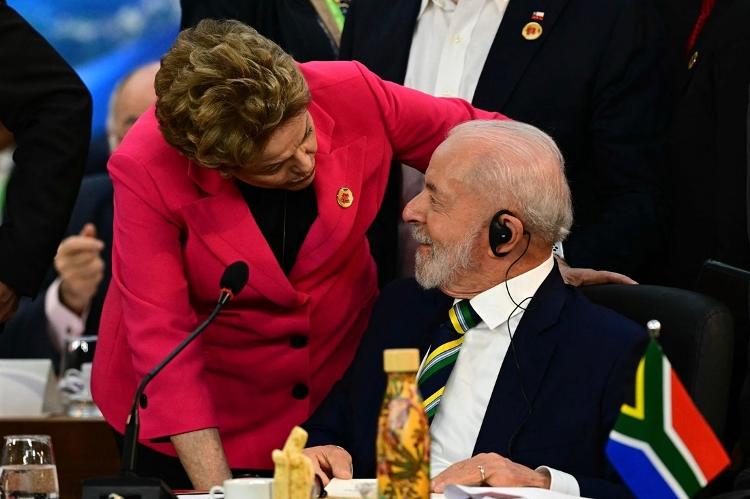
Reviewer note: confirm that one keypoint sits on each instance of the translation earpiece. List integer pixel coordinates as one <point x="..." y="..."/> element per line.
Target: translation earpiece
<point x="499" y="233"/>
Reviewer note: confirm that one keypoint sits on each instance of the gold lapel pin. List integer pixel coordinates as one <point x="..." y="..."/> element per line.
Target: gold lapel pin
<point x="345" y="197"/>
<point x="532" y="30"/>
<point x="693" y="60"/>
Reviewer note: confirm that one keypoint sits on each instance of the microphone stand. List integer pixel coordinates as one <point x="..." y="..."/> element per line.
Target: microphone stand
<point x="127" y="484"/>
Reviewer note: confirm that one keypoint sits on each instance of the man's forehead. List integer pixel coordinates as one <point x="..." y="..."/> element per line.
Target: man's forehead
<point x="446" y="167"/>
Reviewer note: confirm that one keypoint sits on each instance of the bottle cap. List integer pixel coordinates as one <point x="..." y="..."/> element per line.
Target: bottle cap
<point x="401" y="360"/>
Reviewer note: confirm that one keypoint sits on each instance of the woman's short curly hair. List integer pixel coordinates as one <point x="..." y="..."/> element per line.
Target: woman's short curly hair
<point x="223" y="89"/>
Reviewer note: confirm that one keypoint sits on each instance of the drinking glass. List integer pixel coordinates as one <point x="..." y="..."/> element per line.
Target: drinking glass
<point x="75" y="377"/>
<point x="27" y="468"/>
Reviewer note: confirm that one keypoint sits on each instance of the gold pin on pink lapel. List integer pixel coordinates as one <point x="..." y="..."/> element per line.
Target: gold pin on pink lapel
<point x="345" y="197"/>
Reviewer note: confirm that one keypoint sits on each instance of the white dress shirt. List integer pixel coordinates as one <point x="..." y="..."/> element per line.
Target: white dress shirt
<point x="6" y="167"/>
<point x="450" y="45"/>
<point x="459" y="417"/>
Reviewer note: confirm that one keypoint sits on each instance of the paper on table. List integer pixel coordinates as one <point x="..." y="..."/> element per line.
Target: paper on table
<point x="463" y="492"/>
<point x="343" y="489"/>
<point x="347" y="488"/>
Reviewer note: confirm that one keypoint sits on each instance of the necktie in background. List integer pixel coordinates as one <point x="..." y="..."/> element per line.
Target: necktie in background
<point x="443" y="354"/>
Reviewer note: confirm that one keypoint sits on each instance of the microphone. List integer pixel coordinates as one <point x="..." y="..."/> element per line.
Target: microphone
<point x="232" y="281"/>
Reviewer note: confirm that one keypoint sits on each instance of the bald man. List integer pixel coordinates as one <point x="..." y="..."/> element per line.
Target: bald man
<point x="130" y="98"/>
<point x="71" y="304"/>
<point x="523" y="389"/>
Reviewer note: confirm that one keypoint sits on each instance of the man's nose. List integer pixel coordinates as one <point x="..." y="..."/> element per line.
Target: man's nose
<point x="412" y="211"/>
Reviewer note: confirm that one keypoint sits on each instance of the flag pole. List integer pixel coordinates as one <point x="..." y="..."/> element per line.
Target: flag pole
<point x="654" y="329"/>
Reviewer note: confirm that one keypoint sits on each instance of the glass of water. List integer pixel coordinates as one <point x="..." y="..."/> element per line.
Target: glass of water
<point x="75" y="377"/>
<point x="27" y="468"/>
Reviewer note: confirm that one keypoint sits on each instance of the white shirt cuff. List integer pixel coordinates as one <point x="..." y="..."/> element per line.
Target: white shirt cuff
<point x="61" y="321"/>
<point x="562" y="482"/>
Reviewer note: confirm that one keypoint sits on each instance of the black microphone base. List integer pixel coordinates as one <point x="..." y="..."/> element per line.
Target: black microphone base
<point x="127" y="486"/>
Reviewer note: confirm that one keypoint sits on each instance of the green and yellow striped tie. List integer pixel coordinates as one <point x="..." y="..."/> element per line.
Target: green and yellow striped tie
<point x="443" y="353"/>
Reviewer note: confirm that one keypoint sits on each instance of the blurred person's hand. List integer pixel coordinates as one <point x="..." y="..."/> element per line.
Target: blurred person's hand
<point x="585" y="277"/>
<point x="81" y="268"/>
<point x="330" y="461"/>
<point x="8" y="302"/>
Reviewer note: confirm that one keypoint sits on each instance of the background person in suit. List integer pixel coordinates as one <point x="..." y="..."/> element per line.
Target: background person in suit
<point x="72" y="300"/>
<point x="516" y="409"/>
<point x="707" y="138"/>
<point x="708" y="66"/>
<point x="306" y="29"/>
<point x="584" y="71"/>
<point x="48" y="110"/>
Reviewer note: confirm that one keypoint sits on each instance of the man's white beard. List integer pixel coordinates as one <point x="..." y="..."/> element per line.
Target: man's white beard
<point x="438" y="268"/>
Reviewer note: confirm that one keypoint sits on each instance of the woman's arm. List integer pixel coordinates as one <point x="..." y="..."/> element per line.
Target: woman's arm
<point x="202" y="456"/>
<point x="416" y="122"/>
<point x="148" y="273"/>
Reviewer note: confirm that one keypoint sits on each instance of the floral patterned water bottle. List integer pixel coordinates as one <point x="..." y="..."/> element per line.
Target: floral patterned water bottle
<point x="403" y="445"/>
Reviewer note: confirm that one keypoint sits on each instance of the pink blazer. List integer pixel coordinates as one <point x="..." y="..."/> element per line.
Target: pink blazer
<point x="275" y="351"/>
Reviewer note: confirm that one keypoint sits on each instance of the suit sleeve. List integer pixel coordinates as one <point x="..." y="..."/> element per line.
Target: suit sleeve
<point x="626" y="130"/>
<point x="48" y="109"/>
<point x="346" y="49"/>
<point x="416" y="123"/>
<point x="330" y="423"/>
<point x="619" y="389"/>
<point x="148" y="271"/>
<point x="256" y="13"/>
<point x="25" y="334"/>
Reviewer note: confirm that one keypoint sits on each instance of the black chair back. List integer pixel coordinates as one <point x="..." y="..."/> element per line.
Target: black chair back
<point x="696" y="334"/>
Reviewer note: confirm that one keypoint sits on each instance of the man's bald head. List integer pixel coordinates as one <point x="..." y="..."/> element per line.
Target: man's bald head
<point x="517" y="167"/>
<point x="130" y="98"/>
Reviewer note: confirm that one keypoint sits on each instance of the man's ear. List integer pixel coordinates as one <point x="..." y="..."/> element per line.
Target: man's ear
<point x="505" y="232"/>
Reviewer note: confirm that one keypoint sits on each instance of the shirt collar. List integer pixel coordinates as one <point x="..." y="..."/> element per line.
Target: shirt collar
<point x="449" y="6"/>
<point x="446" y="5"/>
<point x="494" y="305"/>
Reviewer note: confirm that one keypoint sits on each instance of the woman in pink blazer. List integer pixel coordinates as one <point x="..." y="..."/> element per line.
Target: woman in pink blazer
<point x="249" y="157"/>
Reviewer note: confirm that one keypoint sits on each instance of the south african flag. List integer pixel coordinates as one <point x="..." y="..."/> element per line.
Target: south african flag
<point x="663" y="447"/>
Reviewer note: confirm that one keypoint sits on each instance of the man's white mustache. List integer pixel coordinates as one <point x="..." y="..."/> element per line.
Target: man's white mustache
<point x="419" y="234"/>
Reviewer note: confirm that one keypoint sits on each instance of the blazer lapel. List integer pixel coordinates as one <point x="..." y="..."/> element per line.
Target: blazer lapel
<point x="430" y="317"/>
<point x="511" y="53"/>
<point x="337" y="167"/>
<point x="383" y="45"/>
<point x="224" y="222"/>
<point x="534" y="345"/>
<point x="704" y="45"/>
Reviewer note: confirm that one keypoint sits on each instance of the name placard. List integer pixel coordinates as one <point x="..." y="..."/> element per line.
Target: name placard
<point x="28" y="387"/>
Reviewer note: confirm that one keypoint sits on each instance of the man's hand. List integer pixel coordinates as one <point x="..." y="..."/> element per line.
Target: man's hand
<point x="498" y="472"/>
<point x="81" y="268"/>
<point x="330" y="462"/>
<point x="8" y="302"/>
<point x="586" y="277"/>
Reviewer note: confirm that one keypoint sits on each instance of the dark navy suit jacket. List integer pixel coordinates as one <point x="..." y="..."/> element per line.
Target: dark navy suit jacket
<point x="591" y="81"/>
<point x="577" y="365"/>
